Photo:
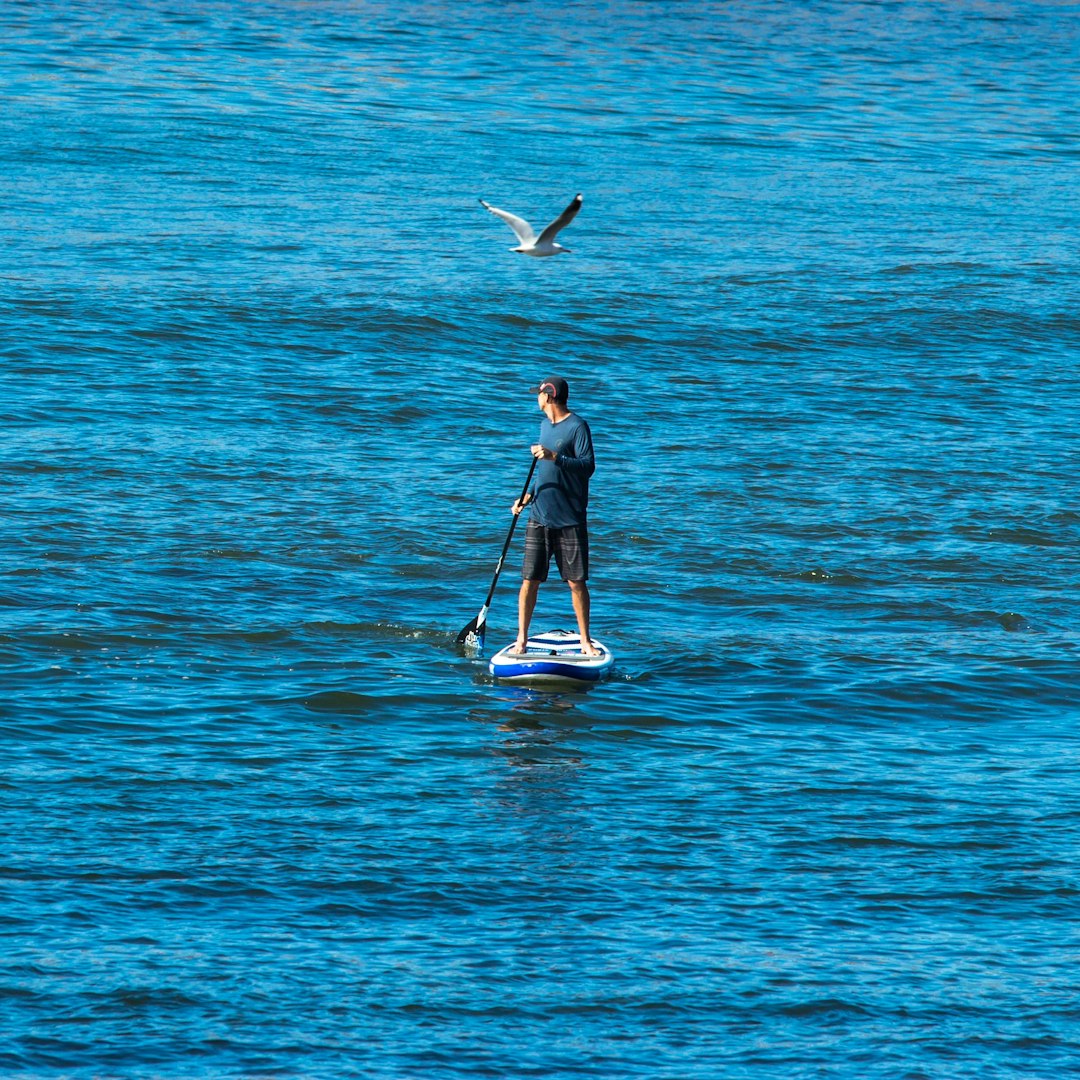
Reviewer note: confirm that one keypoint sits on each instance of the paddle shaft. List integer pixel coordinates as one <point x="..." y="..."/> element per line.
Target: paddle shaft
<point x="509" y="535"/>
<point x="478" y="622"/>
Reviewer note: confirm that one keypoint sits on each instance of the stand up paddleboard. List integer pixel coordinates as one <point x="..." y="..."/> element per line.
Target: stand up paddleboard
<point x="552" y="657"/>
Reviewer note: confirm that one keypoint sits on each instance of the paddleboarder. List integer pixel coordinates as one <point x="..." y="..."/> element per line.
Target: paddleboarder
<point x="558" y="500"/>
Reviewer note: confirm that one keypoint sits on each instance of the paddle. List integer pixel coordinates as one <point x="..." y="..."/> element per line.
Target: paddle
<point x="473" y="634"/>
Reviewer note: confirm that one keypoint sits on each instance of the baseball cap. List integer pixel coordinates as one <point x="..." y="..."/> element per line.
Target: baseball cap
<point x="554" y="388"/>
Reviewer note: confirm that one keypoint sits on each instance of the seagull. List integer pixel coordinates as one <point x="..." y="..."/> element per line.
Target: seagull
<point x="531" y="244"/>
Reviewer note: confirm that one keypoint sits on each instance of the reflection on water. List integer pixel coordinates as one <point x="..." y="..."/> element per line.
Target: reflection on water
<point x="538" y="750"/>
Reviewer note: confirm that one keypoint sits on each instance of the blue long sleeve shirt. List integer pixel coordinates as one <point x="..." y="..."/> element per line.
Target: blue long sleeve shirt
<point x="560" y="488"/>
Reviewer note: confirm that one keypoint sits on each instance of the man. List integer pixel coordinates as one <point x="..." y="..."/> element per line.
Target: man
<point x="559" y="499"/>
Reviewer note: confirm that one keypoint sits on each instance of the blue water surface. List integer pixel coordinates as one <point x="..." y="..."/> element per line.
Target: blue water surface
<point x="264" y="370"/>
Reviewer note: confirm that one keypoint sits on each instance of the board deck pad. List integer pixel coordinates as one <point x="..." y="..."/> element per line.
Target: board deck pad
<point x="552" y="656"/>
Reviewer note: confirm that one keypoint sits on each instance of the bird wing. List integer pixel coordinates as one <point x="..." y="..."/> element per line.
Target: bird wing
<point x="560" y="222"/>
<point x="520" y="226"/>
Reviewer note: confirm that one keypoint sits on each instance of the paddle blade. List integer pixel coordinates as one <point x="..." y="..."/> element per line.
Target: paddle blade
<point x="472" y="636"/>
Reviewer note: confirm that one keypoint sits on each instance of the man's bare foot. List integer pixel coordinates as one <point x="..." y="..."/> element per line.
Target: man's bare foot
<point x="519" y="647"/>
<point x="588" y="648"/>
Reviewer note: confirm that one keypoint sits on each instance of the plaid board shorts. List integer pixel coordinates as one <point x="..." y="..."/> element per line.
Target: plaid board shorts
<point x="570" y="546"/>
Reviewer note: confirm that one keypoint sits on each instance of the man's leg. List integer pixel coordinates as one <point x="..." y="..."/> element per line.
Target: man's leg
<point x="579" y="594"/>
<point x="526" y="606"/>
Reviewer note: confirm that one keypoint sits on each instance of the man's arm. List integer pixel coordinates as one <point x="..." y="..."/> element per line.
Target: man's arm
<point x="582" y="461"/>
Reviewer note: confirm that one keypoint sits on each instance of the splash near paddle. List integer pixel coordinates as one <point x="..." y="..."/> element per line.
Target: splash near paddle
<point x="552" y="657"/>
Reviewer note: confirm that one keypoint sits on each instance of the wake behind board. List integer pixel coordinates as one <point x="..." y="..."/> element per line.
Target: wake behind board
<point x="554" y="656"/>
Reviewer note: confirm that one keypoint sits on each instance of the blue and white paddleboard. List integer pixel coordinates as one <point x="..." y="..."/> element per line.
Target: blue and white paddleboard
<point x="552" y="657"/>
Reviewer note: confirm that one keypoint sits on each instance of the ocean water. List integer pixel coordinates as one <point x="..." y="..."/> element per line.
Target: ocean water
<point x="263" y="369"/>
